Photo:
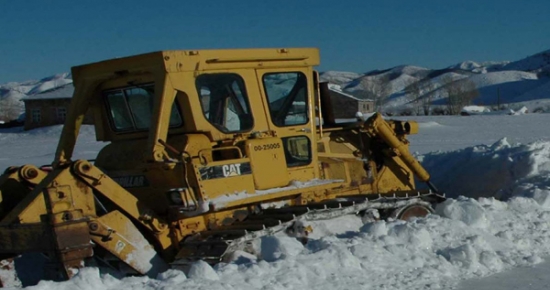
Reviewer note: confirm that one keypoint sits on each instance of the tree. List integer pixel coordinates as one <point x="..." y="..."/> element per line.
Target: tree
<point x="415" y="91"/>
<point x="10" y="109"/>
<point x="421" y="94"/>
<point x="459" y="93"/>
<point x="377" y="88"/>
<point x="429" y="89"/>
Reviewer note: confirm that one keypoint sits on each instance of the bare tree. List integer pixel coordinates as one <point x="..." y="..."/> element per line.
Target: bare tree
<point x="421" y="94"/>
<point x="377" y="88"/>
<point x="10" y="109"/>
<point x="459" y="93"/>
<point x="429" y="94"/>
<point x="415" y="91"/>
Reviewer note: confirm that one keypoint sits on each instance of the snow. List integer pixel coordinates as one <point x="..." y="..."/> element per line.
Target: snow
<point x="144" y="257"/>
<point x="275" y="248"/>
<point x="202" y="270"/>
<point x="467" y="65"/>
<point x="339" y="77"/>
<point x="473" y="110"/>
<point x="409" y="70"/>
<point x="38" y="146"/>
<point x="472" y="235"/>
<point x="338" y="89"/>
<point x="221" y="201"/>
<point x="7" y="275"/>
<point x="64" y="91"/>
<point x="493" y="78"/>
<point x="51" y="83"/>
<point x="537" y="63"/>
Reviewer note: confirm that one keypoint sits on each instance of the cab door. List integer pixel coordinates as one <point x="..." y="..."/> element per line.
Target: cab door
<point x="288" y="99"/>
<point x="233" y="112"/>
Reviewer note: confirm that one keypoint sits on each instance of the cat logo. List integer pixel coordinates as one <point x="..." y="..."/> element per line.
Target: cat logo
<point x="231" y="170"/>
<point x="222" y="171"/>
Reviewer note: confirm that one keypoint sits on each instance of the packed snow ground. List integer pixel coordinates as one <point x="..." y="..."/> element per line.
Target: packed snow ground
<point x="18" y="147"/>
<point x="471" y="235"/>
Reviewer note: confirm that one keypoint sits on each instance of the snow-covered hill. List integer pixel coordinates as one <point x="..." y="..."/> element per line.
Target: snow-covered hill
<point x="539" y="62"/>
<point x="525" y="82"/>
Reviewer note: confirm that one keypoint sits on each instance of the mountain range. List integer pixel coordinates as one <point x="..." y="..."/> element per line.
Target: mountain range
<point x="525" y="82"/>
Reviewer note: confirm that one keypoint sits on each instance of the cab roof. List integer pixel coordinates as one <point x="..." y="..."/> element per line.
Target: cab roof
<point x="202" y="60"/>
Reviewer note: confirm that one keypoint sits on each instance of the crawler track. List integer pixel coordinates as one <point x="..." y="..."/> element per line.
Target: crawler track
<point x="215" y="245"/>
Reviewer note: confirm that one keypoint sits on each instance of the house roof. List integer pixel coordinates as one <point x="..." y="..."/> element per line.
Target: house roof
<point x="337" y="89"/>
<point x="63" y="92"/>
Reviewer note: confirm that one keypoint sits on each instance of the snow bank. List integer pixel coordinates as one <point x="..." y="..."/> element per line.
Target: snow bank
<point x="465" y="210"/>
<point x="474" y="110"/>
<point x="522" y="111"/>
<point x="498" y="170"/>
<point x="274" y="248"/>
<point x="481" y="110"/>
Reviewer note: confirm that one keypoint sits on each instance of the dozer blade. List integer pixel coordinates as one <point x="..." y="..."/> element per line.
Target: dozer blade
<point x="118" y="235"/>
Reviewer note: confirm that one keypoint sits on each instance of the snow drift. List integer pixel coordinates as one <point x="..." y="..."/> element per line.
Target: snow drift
<point x="499" y="170"/>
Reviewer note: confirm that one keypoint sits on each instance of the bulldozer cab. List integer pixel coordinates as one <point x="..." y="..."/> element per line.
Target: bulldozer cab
<point x="241" y="114"/>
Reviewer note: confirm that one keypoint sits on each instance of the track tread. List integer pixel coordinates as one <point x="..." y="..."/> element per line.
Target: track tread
<point x="270" y="221"/>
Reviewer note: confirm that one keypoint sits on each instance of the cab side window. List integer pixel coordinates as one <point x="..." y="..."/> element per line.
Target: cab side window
<point x="287" y="97"/>
<point x="130" y="109"/>
<point x="297" y="150"/>
<point x="224" y="102"/>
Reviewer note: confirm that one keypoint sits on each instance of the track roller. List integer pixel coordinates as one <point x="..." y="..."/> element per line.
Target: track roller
<point x="413" y="210"/>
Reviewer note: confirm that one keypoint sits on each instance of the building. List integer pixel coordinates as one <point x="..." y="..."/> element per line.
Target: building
<point x="345" y="106"/>
<point x="50" y="107"/>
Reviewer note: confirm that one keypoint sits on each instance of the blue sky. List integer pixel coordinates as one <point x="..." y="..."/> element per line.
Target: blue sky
<point x="41" y="38"/>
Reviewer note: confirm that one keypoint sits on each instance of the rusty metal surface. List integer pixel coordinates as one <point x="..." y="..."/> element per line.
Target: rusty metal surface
<point x="67" y="244"/>
<point x="25" y="238"/>
<point x="72" y="246"/>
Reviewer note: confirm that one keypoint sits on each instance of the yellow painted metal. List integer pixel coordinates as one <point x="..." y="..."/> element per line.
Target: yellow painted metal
<point x="15" y="184"/>
<point x="61" y="191"/>
<point x="87" y="78"/>
<point x="379" y="127"/>
<point x="267" y="162"/>
<point x="118" y="235"/>
<point x="290" y="192"/>
<point x="202" y="60"/>
<point x="135" y="208"/>
<point x="308" y="129"/>
<point x="412" y="127"/>
<point x="238" y="184"/>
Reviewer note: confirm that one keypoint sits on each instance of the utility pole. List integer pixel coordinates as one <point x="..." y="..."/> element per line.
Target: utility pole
<point x="498" y="99"/>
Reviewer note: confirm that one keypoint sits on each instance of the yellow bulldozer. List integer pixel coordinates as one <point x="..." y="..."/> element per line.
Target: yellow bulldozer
<point x="208" y="150"/>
